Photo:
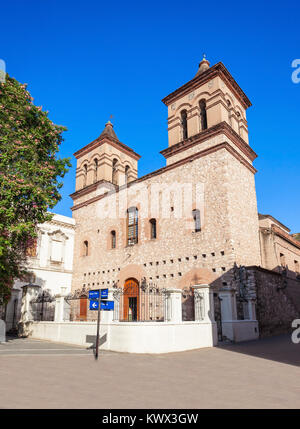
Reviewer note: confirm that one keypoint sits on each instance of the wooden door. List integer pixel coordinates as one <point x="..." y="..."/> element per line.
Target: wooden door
<point x="83" y="309"/>
<point x="131" y="300"/>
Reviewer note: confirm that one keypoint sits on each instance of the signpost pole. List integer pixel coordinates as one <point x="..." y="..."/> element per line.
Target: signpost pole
<point x="98" y="327"/>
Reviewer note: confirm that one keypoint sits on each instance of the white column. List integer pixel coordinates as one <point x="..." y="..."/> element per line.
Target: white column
<point x="251" y="309"/>
<point x="204" y="303"/>
<point x="60" y="305"/>
<point x="228" y="305"/>
<point x="29" y="292"/>
<point x="173" y="307"/>
<point x="108" y="315"/>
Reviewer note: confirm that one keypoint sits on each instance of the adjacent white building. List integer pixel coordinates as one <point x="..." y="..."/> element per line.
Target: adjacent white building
<point x="50" y="262"/>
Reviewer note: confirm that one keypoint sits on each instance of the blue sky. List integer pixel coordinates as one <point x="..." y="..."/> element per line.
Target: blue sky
<point x="85" y="61"/>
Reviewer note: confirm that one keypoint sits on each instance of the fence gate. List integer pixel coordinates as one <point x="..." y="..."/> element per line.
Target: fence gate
<point x="43" y="307"/>
<point x="138" y="302"/>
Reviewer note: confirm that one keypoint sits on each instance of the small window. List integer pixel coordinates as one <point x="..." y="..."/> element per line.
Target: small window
<point x="114" y="171"/>
<point x="132" y="226"/>
<point x="127" y="168"/>
<point x="95" y="170"/>
<point x="282" y="259"/>
<point x="203" y="115"/>
<point x="196" y="217"/>
<point x="184" y="125"/>
<point x="153" y="229"/>
<point x="113" y="239"/>
<point x="86" y="248"/>
<point x="84" y="175"/>
<point x="296" y="266"/>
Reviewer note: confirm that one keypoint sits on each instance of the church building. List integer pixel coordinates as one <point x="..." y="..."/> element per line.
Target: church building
<point x="193" y="222"/>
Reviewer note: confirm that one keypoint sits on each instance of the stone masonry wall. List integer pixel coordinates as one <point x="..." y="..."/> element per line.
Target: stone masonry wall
<point x="179" y="257"/>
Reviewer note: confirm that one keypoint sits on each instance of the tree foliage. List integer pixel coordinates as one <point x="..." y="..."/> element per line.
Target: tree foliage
<point x="30" y="173"/>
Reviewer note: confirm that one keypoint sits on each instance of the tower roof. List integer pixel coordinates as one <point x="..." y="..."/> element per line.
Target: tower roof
<point x="205" y="74"/>
<point x="108" y="132"/>
<point x="203" y="66"/>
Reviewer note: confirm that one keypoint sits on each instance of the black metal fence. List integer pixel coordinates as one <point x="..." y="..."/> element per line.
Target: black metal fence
<point x="139" y="303"/>
<point x="43" y="307"/>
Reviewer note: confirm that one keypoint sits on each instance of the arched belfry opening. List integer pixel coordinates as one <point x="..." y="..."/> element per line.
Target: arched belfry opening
<point x="184" y="124"/>
<point x="114" y="178"/>
<point x="203" y="115"/>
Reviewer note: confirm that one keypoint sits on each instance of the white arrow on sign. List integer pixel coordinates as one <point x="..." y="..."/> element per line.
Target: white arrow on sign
<point x="94" y="304"/>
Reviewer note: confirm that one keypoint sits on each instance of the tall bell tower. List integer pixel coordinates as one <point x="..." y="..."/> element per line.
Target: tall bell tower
<point x="212" y="100"/>
<point x="207" y="121"/>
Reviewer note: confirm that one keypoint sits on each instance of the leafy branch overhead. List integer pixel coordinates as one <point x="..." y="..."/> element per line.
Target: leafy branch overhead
<point x="30" y="174"/>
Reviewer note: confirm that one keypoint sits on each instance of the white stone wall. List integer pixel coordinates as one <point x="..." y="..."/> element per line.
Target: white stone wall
<point x="130" y="337"/>
<point x="47" y="273"/>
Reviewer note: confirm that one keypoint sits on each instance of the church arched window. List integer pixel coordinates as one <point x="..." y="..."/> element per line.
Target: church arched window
<point x="197" y="222"/>
<point x="184" y="124"/>
<point x="132" y="226"/>
<point x="95" y="170"/>
<point x="203" y="115"/>
<point x="153" y="229"/>
<point x="84" y="174"/>
<point x="127" y="168"/>
<point x="114" y="171"/>
<point x="113" y="239"/>
<point x="85" y="248"/>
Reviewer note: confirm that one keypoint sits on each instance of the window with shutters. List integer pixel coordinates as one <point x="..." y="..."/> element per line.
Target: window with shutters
<point x="197" y="223"/>
<point x="132" y="226"/>
<point x="113" y="239"/>
<point x="153" y="229"/>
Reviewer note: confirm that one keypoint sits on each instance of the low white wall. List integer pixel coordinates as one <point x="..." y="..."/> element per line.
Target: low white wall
<point x="131" y="337"/>
<point x="240" y="330"/>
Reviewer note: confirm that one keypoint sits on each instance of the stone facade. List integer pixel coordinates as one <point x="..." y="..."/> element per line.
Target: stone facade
<point x="203" y="203"/>
<point x="210" y="171"/>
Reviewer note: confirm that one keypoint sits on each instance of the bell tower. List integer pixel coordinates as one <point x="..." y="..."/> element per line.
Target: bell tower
<point x="207" y="126"/>
<point x="211" y="100"/>
<point x="105" y="159"/>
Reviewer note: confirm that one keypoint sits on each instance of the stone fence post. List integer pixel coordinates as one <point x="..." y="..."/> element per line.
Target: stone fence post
<point x="203" y="303"/>
<point x="173" y="306"/>
<point x="60" y="305"/>
<point x="228" y="305"/>
<point x="30" y="291"/>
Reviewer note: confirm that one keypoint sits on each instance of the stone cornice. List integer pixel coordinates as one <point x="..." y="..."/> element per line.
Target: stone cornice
<point x="90" y="188"/>
<point x="222" y="127"/>
<point x="113" y="142"/>
<point x="179" y="163"/>
<point x="278" y="231"/>
<point x="217" y="70"/>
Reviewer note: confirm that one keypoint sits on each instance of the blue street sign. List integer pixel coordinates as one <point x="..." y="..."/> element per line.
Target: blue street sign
<point x="104" y="293"/>
<point x="94" y="294"/>
<point x="107" y="305"/>
<point x="94" y="305"/>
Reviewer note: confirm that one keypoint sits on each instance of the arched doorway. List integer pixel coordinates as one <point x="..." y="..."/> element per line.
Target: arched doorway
<point x="131" y="300"/>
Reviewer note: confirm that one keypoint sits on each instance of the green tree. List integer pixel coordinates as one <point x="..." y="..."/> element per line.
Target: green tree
<point x="297" y="236"/>
<point x="30" y="173"/>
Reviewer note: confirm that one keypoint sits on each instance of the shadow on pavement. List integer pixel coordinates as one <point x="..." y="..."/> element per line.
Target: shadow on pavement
<point x="279" y="348"/>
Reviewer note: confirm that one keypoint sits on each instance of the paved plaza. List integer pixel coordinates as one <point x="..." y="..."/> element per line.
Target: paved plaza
<point x="255" y="374"/>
